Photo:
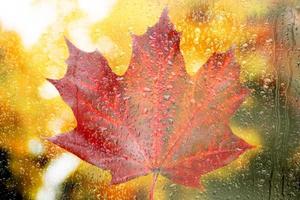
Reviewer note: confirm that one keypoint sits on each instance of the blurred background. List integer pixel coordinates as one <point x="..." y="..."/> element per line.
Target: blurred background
<point x="265" y="36"/>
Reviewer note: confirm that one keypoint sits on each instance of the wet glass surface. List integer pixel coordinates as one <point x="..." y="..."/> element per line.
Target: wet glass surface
<point x="264" y="37"/>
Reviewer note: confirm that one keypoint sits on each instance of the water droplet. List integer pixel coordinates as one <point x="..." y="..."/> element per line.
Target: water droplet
<point x="169" y="86"/>
<point x="146" y="89"/>
<point x="126" y="98"/>
<point x="167" y="97"/>
<point x="145" y="111"/>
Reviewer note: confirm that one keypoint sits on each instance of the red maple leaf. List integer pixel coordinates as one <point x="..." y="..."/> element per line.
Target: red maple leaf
<point x="156" y="118"/>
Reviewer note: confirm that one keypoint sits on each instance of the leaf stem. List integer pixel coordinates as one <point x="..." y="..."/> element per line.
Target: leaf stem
<point x="154" y="180"/>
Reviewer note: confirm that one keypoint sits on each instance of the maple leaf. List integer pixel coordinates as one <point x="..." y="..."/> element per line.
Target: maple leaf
<point x="156" y="118"/>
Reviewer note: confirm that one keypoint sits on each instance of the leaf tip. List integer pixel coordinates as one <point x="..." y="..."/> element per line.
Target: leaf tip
<point x="52" y="139"/>
<point x="71" y="47"/>
<point x="52" y="81"/>
<point x="164" y="19"/>
<point x="246" y="146"/>
<point x="165" y="14"/>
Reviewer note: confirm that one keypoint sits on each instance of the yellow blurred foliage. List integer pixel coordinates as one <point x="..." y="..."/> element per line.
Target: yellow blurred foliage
<point x="206" y="27"/>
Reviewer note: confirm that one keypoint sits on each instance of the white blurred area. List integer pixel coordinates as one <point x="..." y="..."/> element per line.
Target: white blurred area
<point x="48" y="91"/>
<point x="55" y="174"/>
<point x="27" y="18"/>
<point x="30" y="19"/>
<point x="35" y="146"/>
<point x="96" y="9"/>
